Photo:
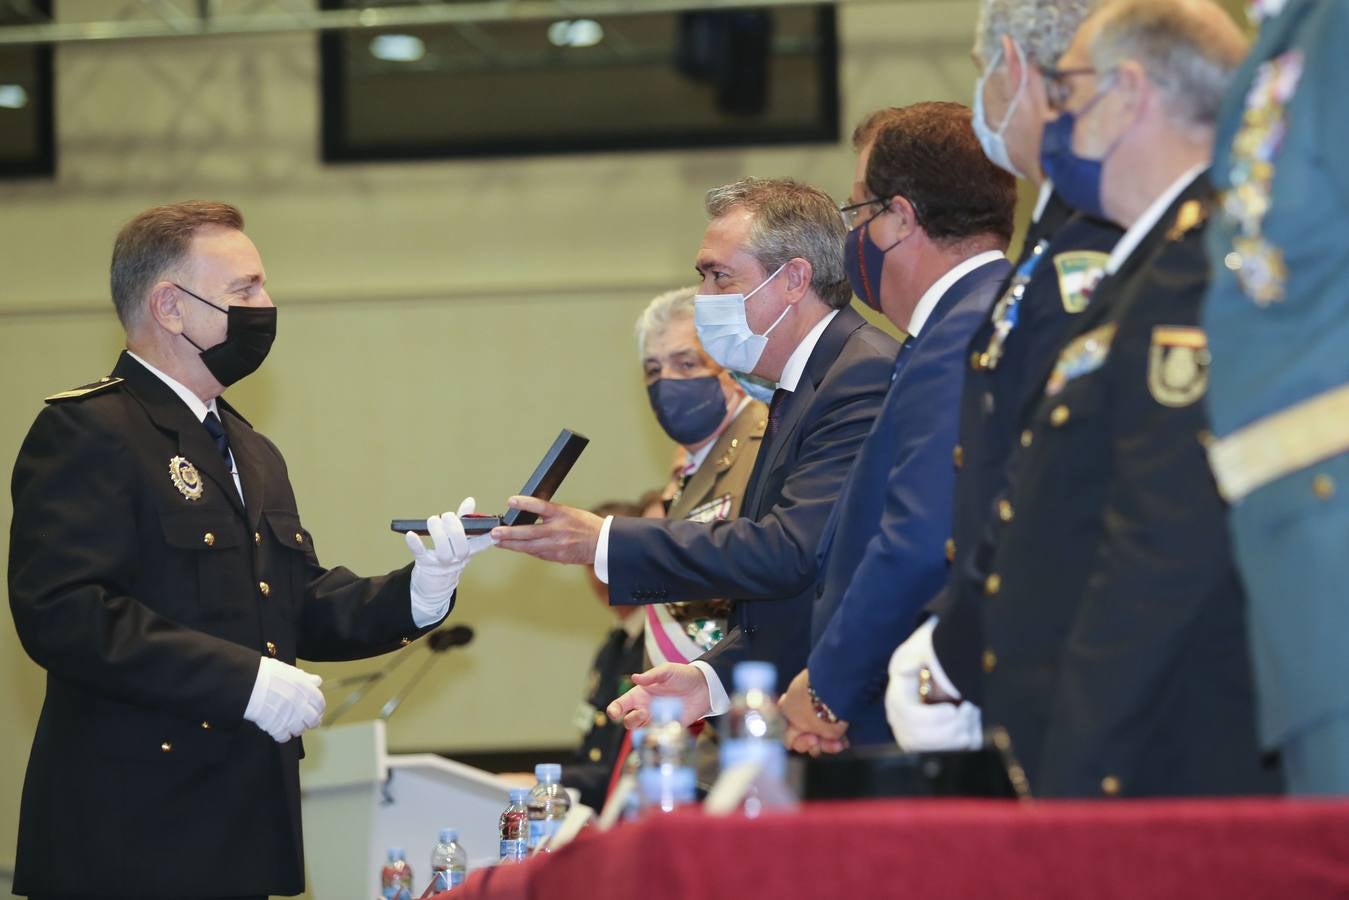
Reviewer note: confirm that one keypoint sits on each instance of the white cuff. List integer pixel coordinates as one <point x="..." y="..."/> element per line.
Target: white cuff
<point x="602" y="552"/>
<point x="260" y="683"/>
<point x="426" y="612"/>
<point x="716" y="694"/>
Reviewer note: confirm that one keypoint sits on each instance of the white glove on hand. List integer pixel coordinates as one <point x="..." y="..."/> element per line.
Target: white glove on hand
<point x="923" y="727"/>
<point x="436" y="572"/>
<point x="285" y="700"/>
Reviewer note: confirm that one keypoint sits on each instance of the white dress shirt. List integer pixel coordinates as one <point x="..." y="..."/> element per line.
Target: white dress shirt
<point x="1139" y="229"/>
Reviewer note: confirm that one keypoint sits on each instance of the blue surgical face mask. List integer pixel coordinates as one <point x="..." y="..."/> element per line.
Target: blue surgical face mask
<point x="760" y="389"/>
<point x="724" y="331"/>
<point x="689" y="409"/>
<point x="993" y="140"/>
<point x="1076" y="179"/>
<point x="865" y="263"/>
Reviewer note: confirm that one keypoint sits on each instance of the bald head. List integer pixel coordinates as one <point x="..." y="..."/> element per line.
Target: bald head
<point x="1188" y="49"/>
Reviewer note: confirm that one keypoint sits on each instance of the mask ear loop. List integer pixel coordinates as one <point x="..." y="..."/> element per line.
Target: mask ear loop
<point x="1020" y="86"/>
<point x="756" y="290"/>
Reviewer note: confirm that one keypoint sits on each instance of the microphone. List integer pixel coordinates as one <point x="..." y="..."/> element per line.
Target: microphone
<point x="440" y="641"/>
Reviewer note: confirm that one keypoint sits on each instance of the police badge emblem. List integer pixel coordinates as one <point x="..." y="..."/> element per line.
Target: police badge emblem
<point x="1084" y="355"/>
<point x="185" y="478"/>
<point x="1178" y="363"/>
<point x="1079" y="273"/>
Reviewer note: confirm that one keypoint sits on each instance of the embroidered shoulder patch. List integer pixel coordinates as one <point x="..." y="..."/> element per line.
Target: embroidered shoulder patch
<point x="1079" y="272"/>
<point x="1177" y="365"/>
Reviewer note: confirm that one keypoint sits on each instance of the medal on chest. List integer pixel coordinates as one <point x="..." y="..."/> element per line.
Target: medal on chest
<point x="185" y="478"/>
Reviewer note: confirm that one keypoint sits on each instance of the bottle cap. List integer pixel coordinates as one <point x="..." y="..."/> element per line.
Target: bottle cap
<point x="754" y="675"/>
<point x="448" y="835"/>
<point x="666" y="709"/>
<point x="393" y="854"/>
<point x="548" y="773"/>
<point x="518" y="796"/>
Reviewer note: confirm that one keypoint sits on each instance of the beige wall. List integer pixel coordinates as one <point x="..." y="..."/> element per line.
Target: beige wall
<point x="392" y="280"/>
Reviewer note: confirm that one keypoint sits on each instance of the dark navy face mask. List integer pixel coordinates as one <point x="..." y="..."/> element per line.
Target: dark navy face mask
<point x="689" y="409"/>
<point x="1076" y="179"/>
<point x="865" y="262"/>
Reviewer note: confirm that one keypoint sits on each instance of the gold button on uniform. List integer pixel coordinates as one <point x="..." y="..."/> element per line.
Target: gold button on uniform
<point x="1005" y="510"/>
<point x="265" y="588"/>
<point x="600" y="719"/>
<point x="208" y="539"/>
<point x="299" y="537"/>
<point x="958" y="456"/>
<point x="595" y="754"/>
<point x="950" y="549"/>
<point x="257" y="537"/>
<point x="1026" y="438"/>
<point x="166" y="747"/>
<point x="1058" y="417"/>
<point x="271" y="649"/>
<point x="1110" y="786"/>
<point x="1323" y="486"/>
<point x="206" y="725"/>
<point x="405" y="641"/>
<point x="993" y="584"/>
<point x="990" y="660"/>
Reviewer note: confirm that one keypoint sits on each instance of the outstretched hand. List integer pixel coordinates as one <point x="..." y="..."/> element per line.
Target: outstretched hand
<point x="562" y="534"/>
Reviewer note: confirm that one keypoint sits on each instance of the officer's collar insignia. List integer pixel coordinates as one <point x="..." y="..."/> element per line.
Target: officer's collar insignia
<point x="1085" y="354"/>
<point x="1177" y="365"/>
<point x="1079" y="273"/>
<point x="185" y="478"/>
<point x="1191" y="215"/>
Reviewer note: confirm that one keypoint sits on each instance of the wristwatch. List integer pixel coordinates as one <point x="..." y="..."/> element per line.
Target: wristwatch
<point x="822" y="710"/>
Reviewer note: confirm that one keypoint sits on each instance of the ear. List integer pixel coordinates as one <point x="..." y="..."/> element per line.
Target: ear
<point x="905" y="219"/>
<point x="163" y="306"/>
<point x="1133" y="89"/>
<point x="798" y="273"/>
<point x="1014" y="60"/>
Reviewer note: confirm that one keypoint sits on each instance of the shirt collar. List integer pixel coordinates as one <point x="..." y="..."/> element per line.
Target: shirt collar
<point x="194" y="403"/>
<point x="796" y="363"/>
<point x="695" y="460"/>
<point x="932" y="296"/>
<point x="1046" y="191"/>
<point x="1146" y="222"/>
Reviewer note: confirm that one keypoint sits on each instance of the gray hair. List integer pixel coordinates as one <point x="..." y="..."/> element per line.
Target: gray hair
<point x="660" y="312"/>
<point x="790" y="220"/>
<point x="1043" y="29"/>
<point x="1189" y="49"/>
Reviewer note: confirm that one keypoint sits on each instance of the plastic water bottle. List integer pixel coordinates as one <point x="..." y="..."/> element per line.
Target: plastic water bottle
<point x="632" y="804"/>
<point x="666" y="780"/>
<point x="449" y="861"/>
<point x="548" y="804"/>
<point x="755" y="726"/>
<point x="395" y="878"/>
<point x="514" y="827"/>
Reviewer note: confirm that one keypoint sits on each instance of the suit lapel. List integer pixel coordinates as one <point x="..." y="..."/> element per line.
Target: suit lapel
<point x="252" y="473"/>
<point x="170" y="414"/>
<point x="745" y="427"/>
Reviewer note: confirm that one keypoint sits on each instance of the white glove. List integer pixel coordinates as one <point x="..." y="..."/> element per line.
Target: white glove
<point x="919" y="726"/>
<point x="436" y="572"/>
<point x="285" y="700"/>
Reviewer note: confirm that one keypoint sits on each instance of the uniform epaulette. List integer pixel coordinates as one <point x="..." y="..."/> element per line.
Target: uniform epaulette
<point x="1192" y="214"/>
<point x="85" y="390"/>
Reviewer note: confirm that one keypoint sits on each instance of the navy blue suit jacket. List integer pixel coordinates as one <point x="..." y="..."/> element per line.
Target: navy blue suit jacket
<point x="882" y="555"/>
<point x="764" y="560"/>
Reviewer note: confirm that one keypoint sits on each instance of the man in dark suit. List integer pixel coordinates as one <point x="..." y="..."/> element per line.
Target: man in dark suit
<point x="1116" y="660"/>
<point x="934" y="219"/>
<point x="1062" y="258"/>
<point x="160" y="572"/>
<point x="775" y="306"/>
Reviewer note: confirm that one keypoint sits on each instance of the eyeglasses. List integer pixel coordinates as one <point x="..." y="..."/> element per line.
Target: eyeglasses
<point x="1057" y="89"/>
<point x="852" y="212"/>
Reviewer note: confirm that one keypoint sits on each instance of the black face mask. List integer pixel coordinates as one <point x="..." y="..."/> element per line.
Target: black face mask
<point x="249" y="332"/>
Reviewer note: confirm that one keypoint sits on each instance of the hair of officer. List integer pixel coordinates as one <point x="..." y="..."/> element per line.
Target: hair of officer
<point x="929" y="155"/>
<point x="790" y="220"/>
<point x="866" y="130"/>
<point x="1189" y="49"/>
<point x="660" y="312"/>
<point x="1043" y="29"/>
<point x="154" y="242"/>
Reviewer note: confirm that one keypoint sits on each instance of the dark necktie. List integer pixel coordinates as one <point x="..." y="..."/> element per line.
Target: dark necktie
<point x="774" y="407"/>
<point x="217" y="432"/>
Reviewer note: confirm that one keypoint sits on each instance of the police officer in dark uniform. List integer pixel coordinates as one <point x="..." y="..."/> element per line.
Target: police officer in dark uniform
<point x="160" y="572"/>
<point x="1114" y="620"/>
<point x="1061" y="260"/>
